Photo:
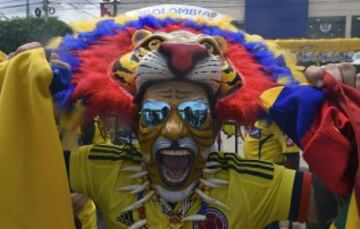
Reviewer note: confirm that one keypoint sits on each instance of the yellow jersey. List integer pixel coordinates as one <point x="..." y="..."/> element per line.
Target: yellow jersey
<point x="257" y="193"/>
<point x="265" y="141"/>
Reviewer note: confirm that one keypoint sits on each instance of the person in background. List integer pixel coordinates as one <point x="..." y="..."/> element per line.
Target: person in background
<point x="265" y="141"/>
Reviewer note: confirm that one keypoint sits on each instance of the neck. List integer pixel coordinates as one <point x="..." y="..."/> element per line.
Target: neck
<point x="175" y="196"/>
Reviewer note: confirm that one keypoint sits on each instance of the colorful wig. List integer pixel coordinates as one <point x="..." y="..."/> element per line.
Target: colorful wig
<point x="91" y="54"/>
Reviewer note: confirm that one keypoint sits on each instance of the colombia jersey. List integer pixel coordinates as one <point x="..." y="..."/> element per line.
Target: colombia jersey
<point x="255" y="193"/>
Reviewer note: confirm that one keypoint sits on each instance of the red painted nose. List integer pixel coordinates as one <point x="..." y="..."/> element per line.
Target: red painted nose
<point x="182" y="56"/>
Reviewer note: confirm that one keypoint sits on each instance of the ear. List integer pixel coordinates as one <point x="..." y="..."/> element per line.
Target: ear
<point x="139" y="36"/>
<point x="221" y="43"/>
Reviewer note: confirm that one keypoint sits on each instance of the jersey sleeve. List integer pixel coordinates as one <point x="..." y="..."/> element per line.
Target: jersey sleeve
<point x="286" y="196"/>
<point x="78" y="170"/>
<point x="291" y="195"/>
<point x="95" y="166"/>
<point x="300" y="197"/>
<point x="89" y="169"/>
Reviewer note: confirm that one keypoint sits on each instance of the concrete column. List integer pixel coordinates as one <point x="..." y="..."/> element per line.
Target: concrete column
<point x="348" y="24"/>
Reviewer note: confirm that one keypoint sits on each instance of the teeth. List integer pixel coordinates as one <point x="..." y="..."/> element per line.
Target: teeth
<point x="175" y="164"/>
<point x="175" y="152"/>
<point x="175" y="176"/>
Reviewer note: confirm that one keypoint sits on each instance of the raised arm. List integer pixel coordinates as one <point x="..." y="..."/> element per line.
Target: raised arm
<point x="319" y="120"/>
<point x="322" y="118"/>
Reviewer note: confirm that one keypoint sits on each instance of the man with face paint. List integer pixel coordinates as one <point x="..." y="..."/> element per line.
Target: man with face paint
<point x="182" y="85"/>
<point x="179" y="180"/>
<point x="184" y="182"/>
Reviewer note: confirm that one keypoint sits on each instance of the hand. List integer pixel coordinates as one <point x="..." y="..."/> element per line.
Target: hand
<point x="78" y="202"/>
<point x="55" y="60"/>
<point x="343" y="72"/>
<point x="23" y="48"/>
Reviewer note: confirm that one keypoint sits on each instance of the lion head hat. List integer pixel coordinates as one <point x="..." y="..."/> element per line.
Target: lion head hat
<point x="116" y="59"/>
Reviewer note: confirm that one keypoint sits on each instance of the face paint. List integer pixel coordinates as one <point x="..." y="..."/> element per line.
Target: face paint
<point x="175" y="128"/>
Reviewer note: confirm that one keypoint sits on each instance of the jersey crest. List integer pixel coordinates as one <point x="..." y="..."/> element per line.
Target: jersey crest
<point x="289" y="142"/>
<point x="215" y="219"/>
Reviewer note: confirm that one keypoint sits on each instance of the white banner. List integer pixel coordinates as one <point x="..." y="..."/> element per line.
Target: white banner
<point x="182" y="10"/>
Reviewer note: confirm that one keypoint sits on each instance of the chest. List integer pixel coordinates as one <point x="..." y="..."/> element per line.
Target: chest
<point x="217" y="217"/>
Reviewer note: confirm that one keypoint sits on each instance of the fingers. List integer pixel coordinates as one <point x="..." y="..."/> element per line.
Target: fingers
<point x="334" y="71"/>
<point x="314" y="75"/>
<point x="55" y="60"/>
<point x="54" y="56"/>
<point x="357" y="81"/>
<point x="8" y="57"/>
<point x="343" y="72"/>
<point x="28" y="46"/>
<point x="23" y="48"/>
<point x="348" y="73"/>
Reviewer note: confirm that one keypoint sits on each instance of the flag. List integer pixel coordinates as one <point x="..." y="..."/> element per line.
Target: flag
<point x="34" y="189"/>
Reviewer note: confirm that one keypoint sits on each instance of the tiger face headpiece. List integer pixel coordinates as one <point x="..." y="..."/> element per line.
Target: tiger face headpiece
<point x="178" y="55"/>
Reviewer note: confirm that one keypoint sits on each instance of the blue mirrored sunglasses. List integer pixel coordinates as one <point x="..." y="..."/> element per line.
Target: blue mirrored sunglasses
<point x="193" y="112"/>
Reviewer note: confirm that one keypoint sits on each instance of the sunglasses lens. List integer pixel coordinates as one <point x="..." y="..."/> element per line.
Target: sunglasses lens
<point x="194" y="112"/>
<point x="154" y="112"/>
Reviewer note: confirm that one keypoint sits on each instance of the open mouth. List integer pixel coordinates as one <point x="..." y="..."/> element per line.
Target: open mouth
<point x="175" y="165"/>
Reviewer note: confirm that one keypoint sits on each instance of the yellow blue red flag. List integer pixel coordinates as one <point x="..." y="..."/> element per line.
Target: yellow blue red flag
<point x="34" y="188"/>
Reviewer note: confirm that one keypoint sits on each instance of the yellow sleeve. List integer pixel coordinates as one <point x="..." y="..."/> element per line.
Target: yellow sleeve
<point x="31" y="152"/>
<point x="273" y="198"/>
<point x="86" y="175"/>
<point x="87" y="216"/>
<point x="79" y="176"/>
<point x="281" y="191"/>
<point x="286" y="197"/>
<point x="93" y="167"/>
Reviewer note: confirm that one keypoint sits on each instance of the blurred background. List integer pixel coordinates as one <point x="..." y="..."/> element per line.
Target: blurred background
<point x="317" y="31"/>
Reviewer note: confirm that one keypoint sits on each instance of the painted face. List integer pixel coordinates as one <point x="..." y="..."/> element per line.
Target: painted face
<point x="175" y="131"/>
